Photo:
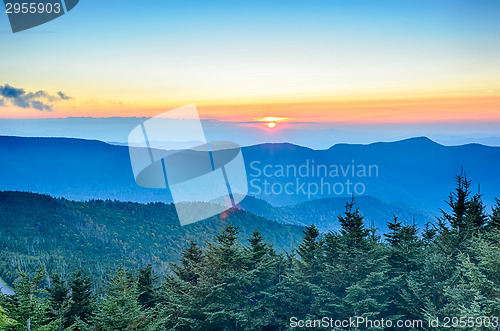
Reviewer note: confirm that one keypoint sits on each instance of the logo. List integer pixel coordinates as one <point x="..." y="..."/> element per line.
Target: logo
<point x="25" y="14"/>
<point x="170" y="151"/>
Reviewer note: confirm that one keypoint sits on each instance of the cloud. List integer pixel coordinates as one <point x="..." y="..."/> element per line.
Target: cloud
<point x="35" y="100"/>
<point x="63" y="96"/>
<point x="40" y="106"/>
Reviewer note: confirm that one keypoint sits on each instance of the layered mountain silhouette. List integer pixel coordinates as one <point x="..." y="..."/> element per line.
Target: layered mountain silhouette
<point x="414" y="175"/>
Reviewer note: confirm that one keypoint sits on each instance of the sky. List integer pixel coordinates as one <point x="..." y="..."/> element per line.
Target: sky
<point x="363" y="63"/>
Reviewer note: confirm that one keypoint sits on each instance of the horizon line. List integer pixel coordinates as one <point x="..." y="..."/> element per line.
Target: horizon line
<point x="125" y="144"/>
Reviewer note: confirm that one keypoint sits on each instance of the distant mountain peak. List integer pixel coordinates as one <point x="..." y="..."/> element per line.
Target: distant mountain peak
<point x="420" y="141"/>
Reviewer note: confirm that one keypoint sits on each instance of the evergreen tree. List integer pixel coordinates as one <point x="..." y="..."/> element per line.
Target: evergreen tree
<point x="146" y="286"/>
<point x="464" y="295"/>
<point x="180" y="296"/>
<point x="476" y="217"/>
<point x="352" y="225"/>
<point x="459" y="202"/>
<point x="191" y="262"/>
<point x="25" y="306"/>
<point x="120" y="309"/>
<point x="429" y="234"/>
<point x="355" y="278"/>
<point x="494" y="222"/>
<point x="227" y="253"/>
<point x="467" y="217"/>
<point x="57" y="298"/>
<point x="265" y="271"/>
<point x="429" y="285"/>
<point x="405" y="251"/>
<point x="367" y="298"/>
<point x="426" y="286"/>
<point x="300" y="284"/>
<point x="405" y="247"/>
<point x="81" y="302"/>
<point x="258" y="248"/>
<point x="216" y="301"/>
<point x="474" y="287"/>
<point x="394" y="237"/>
<point x="310" y="251"/>
<point x="224" y="282"/>
<point x="294" y="291"/>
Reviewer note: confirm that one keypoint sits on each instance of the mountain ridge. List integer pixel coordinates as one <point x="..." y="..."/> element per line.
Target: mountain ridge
<point x="406" y="140"/>
<point x="416" y="172"/>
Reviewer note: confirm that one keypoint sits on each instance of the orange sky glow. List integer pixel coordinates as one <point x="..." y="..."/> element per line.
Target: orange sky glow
<point x="370" y="110"/>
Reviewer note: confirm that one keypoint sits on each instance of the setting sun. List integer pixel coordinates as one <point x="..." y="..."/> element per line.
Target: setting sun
<point x="271" y="122"/>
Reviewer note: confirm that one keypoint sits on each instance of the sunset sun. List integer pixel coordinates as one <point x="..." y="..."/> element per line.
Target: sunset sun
<point x="271" y="122"/>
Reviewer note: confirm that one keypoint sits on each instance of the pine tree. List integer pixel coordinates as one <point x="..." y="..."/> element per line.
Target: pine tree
<point x="394" y="236"/>
<point x="218" y="297"/>
<point x="429" y="234"/>
<point x="459" y="202"/>
<point x="227" y="250"/>
<point x="295" y="293"/>
<point x="258" y="248"/>
<point x="467" y="217"/>
<point x="265" y="271"/>
<point x="405" y="246"/>
<point x="191" y="262"/>
<point x="355" y="279"/>
<point x="476" y="217"/>
<point x="146" y="286"/>
<point x="224" y="282"/>
<point x="57" y="298"/>
<point x="352" y="225"/>
<point x="310" y="251"/>
<point x="120" y="309"/>
<point x="81" y="302"/>
<point x="405" y="251"/>
<point x="180" y="296"/>
<point x="25" y="306"/>
<point x="494" y="222"/>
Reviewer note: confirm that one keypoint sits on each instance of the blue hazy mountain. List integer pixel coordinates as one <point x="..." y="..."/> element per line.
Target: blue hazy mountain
<point x="417" y="172"/>
<point x="72" y="168"/>
<point x="324" y="213"/>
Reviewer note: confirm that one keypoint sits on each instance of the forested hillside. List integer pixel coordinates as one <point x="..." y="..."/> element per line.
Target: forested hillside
<point x="96" y="235"/>
<point x="449" y="273"/>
